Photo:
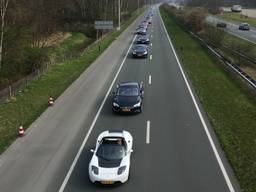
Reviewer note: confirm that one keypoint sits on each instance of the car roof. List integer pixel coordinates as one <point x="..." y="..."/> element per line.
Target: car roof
<point x="129" y="84"/>
<point x="114" y="133"/>
<point x="140" y="45"/>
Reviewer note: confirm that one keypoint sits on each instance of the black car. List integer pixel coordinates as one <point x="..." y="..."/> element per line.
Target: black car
<point x="244" y="26"/>
<point x="143" y="39"/>
<point x="141" y="31"/>
<point x="221" y="25"/>
<point x="128" y="97"/>
<point x="140" y="51"/>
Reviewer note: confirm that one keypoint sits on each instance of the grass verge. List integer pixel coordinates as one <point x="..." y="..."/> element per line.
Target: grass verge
<point x="73" y="44"/>
<point x="230" y="107"/>
<point x="27" y="105"/>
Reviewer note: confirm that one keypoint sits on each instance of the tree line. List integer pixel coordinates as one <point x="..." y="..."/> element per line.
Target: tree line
<point x="214" y="4"/>
<point x="26" y="23"/>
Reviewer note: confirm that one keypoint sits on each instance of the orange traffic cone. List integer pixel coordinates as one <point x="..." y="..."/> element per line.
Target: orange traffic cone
<point x="50" y="102"/>
<point x="21" y="131"/>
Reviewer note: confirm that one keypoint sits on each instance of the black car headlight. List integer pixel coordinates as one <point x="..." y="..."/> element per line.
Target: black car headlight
<point x="95" y="170"/>
<point x="137" y="104"/>
<point x="121" y="170"/>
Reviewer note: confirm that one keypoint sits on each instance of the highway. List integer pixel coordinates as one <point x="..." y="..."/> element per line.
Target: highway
<point x="175" y="148"/>
<point x="232" y="28"/>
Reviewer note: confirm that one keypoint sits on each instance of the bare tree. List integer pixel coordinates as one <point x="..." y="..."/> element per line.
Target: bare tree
<point x="3" y="8"/>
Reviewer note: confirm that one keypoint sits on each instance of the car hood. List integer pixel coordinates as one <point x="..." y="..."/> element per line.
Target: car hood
<point x="109" y="163"/>
<point x="127" y="101"/>
<point x="96" y="161"/>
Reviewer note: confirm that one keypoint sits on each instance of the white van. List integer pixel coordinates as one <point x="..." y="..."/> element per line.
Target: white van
<point x="236" y="8"/>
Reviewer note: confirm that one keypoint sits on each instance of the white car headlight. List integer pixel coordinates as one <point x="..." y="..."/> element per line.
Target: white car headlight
<point x="95" y="170"/>
<point x="121" y="170"/>
<point x="145" y="52"/>
<point x="134" y="52"/>
<point x="137" y="105"/>
<point x="115" y="104"/>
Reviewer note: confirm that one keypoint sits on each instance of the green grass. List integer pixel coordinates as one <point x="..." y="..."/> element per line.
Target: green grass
<point x="32" y="101"/>
<point x="71" y="44"/>
<point x="230" y="107"/>
<point x="238" y="18"/>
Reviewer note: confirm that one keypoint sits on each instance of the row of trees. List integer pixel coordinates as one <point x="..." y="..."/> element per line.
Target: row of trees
<point x="214" y="4"/>
<point x="26" y="23"/>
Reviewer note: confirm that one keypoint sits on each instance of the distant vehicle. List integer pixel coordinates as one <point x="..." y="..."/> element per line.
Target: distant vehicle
<point x="150" y="21"/>
<point x="140" y="51"/>
<point x="244" y="26"/>
<point x="141" y="31"/>
<point x="143" y="39"/>
<point x="110" y="162"/>
<point x="236" y="8"/>
<point x="221" y="25"/>
<point x="128" y="97"/>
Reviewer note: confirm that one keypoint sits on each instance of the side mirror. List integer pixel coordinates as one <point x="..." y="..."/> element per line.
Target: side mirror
<point x="92" y="150"/>
<point x="131" y="150"/>
<point x="141" y="84"/>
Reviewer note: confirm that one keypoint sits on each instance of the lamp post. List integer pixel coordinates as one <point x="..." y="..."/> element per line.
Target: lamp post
<point x="119" y="15"/>
<point x="138" y="5"/>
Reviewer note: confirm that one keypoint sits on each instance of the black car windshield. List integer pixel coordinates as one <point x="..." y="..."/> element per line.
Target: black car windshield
<point x="140" y="48"/>
<point x="111" y="149"/>
<point x="128" y="91"/>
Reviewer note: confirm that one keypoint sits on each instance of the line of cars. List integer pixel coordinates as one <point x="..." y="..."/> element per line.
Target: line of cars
<point x="242" y="26"/>
<point x="129" y="95"/>
<point x="140" y="50"/>
<point x="110" y="162"/>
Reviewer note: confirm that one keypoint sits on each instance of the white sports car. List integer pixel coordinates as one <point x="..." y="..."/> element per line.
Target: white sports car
<point x="110" y="162"/>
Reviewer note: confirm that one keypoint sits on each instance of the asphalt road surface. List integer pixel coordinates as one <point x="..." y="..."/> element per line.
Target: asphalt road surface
<point x="232" y="28"/>
<point x="174" y="146"/>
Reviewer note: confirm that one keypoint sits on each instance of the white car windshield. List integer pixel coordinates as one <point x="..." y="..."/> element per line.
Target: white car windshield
<point x="111" y="149"/>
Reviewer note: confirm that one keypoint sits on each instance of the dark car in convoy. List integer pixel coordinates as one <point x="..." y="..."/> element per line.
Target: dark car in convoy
<point x="141" y="31"/>
<point x="143" y="39"/>
<point x="140" y="50"/>
<point x="244" y="26"/>
<point x="128" y="97"/>
<point x="221" y="25"/>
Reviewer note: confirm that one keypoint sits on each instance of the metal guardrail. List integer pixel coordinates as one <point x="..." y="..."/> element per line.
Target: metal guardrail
<point x="233" y="66"/>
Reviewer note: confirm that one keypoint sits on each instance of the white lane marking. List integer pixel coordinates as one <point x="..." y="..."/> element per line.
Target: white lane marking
<point x="151" y="44"/>
<point x="1" y="162"/>
<point x="149" y="79"/>
<point x="150" y="57"/>
<point x="148" y="133"/>
<point x="224" y="172"/>
<point x="93" y="123"/>
<point x="151" y="36"/>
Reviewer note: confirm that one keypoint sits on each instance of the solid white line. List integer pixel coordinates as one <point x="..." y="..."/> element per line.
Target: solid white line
<point x="148" y="133"/>
<point x="93" y="123"/>
<point x="150" y="57"/>
<point x="224" y="172"/>
<point x="149" y="79"/>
